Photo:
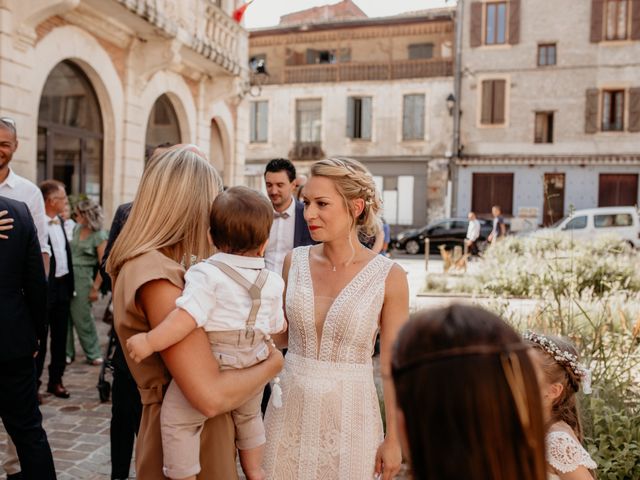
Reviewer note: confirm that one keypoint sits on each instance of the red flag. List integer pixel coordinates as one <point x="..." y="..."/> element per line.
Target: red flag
<point x="238" y="13"/>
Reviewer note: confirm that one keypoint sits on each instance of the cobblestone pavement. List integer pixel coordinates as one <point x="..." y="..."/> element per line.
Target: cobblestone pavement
<point x="78" y="427"/>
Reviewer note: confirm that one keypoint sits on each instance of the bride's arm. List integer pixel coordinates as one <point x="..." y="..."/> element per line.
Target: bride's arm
<point x="395" y="312"/>
<point x="282" y="339"/>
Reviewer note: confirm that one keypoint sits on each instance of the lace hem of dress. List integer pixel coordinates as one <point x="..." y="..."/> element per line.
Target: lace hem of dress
<point x="565" y="454"/>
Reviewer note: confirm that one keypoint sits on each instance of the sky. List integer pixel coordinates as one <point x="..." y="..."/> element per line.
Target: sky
<point x="266" y="13"/>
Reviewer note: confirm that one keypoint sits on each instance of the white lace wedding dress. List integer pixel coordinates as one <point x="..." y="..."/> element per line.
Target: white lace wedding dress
<point x="329" y="427"/>
<point x="565" y="454"/>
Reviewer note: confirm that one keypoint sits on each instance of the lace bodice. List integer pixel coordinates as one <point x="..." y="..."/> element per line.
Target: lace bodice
<point x="565" y="454"/>
<point x="351" y="323"/>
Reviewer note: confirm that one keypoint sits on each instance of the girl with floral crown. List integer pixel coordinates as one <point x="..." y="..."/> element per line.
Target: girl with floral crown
<point x="561" y="376"/>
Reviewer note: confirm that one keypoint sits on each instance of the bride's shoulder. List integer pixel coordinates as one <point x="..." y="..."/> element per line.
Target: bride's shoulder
<point x="564" y="452"/>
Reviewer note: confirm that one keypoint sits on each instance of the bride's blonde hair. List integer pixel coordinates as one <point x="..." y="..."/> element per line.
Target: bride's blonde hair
<point x="171" y="209"/>
<point x="353" y="181"/>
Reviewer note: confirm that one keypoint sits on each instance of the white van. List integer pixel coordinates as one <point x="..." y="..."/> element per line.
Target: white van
<point x="620" y="221"/>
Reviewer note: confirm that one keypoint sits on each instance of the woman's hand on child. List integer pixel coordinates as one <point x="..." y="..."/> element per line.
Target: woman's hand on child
<point x="139" y="347"/>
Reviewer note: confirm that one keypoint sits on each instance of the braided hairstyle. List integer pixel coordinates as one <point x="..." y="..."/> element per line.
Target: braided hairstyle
<point x="353" y="181"/>
<point x="565" y="407"/>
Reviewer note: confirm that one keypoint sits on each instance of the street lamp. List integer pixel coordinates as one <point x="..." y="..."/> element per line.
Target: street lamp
<point x="451" y="103"/>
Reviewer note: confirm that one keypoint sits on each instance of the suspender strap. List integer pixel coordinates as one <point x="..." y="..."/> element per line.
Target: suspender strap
<point x="254" y="289"/>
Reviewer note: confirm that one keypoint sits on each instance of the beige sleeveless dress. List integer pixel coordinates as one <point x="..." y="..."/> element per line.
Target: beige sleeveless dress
<point x="329" y="426"/>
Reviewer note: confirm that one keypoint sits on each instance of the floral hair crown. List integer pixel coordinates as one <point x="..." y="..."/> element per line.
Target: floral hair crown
<point x="566" y="359"/>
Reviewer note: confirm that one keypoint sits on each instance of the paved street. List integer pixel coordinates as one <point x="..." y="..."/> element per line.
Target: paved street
<point x="78" y="427"/>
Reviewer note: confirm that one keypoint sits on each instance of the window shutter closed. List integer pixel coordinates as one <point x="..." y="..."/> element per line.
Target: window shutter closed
<point x="407" y="116"/>
<point x="350" y="115"/>
<point x="419" y="117"/>
<point x="263" y="121"/>
<point x="366" y="118"/>
<point x="635" y="20"/>
<point x="634" y="109"/>
<point x="591" y="111"/>
<point x="475" y="34"/>
<point x="597" y="11"/>
<point x="514" y="22"/>
<point x="487" y="101"/>
<point x="253" y="123"/>
<point x="499" y="101"/>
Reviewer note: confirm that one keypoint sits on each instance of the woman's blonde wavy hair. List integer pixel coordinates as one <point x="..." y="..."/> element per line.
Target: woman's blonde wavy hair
<point x="353" y="181"/>
<point x="171" y="209"/>
<point x="92" y="212"/>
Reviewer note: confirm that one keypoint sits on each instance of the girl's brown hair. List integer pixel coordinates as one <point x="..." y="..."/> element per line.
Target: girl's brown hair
<point x="565" y="407"/>
<point x="468" y="392"/>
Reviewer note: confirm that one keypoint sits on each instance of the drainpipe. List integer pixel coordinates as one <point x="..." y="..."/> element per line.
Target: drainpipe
<point x="457" y="92"/>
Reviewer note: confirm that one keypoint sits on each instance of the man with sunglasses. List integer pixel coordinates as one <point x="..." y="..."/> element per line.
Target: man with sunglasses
<point x="18" y="188"/>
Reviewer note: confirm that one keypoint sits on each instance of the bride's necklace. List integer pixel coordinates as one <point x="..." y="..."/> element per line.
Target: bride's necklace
<point x="345" y="264"/>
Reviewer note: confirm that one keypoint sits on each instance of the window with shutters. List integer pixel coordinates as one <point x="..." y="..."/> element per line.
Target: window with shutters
<point x="618" y="189"/>
<point x="489" y="189"/>
<point x="419" y="51"/>
<point x="612" y="110"/>
<point x="546" y="54"/>
<point x="543" y="127"/>
<point x="359" y="118"/>
<point x="495" y="32"/>
<point x="616" y="19"/>
<point x="493" y="102"/>
<point x="413" y="117"/>
<point x="258" y="130"/>
<point x="309" y="120"/>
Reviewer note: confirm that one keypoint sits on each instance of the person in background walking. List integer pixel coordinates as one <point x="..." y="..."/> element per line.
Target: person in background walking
<point x="87" y="247"/>
<point x="23" y="296"/>
<point x="499" y="227"/>
<point x="60" y="291"/>
<point x="473" y="232"/>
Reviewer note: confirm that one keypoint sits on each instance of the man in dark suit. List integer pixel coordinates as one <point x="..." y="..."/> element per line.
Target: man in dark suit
<point x="289" y="229"/>
<point x="60" y="291"/>
<point x="23" y="296"/>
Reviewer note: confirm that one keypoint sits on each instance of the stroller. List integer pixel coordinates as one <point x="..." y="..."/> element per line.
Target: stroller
<point x="104" y="386"/>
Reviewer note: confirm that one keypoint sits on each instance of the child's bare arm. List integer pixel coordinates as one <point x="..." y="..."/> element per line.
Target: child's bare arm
<point x="170" y="331"/>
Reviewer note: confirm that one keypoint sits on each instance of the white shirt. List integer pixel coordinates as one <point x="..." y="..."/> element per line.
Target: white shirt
<point x="281" y="236"/>
<point x="57" y="238"/>
<point x="473" y="231"/>
<point x="69" y="225"/>
<point x="219" y="304"/>
<point x="21" y="189"/>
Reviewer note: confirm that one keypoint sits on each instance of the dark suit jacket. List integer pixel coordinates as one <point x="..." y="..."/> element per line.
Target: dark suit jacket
<point x="301" y="235"/>
<point x="119" y="219"/>
<point x="68" y="295"/>
<point x="23" y="285"/>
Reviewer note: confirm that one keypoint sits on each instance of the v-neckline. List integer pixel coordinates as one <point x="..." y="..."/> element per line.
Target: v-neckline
<point x="333" y="303"/>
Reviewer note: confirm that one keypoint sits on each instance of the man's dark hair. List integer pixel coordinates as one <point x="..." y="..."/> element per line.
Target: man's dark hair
<point x="280" y="164"/>
<point x="49" y="187"/>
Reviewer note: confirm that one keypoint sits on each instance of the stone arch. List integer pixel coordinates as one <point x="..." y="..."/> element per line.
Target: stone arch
<point x="76" y="45"/>
<point x="222" y="122"/>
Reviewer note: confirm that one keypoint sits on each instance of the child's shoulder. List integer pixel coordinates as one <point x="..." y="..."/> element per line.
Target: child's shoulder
<point x="565" y="453"/>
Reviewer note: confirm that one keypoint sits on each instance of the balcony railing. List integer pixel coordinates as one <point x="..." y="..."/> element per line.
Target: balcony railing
<point x="362" y="71"/>
<point x="306" y="151"/>
<point x="201" y="25"/>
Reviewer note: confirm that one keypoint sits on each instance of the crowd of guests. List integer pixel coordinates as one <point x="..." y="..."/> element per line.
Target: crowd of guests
<point x="200" y="334"/>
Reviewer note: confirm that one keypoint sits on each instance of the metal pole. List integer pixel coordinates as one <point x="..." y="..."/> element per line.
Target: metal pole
<point x="426" y="254"/>
<point x="457" y="93"/>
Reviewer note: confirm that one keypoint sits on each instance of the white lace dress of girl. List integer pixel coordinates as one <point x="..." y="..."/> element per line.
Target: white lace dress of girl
<point x="565" y="454"/>
<point x="329" y="426"/>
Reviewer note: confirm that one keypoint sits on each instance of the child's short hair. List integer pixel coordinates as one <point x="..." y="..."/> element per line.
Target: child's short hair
<point x="240" y="220"/>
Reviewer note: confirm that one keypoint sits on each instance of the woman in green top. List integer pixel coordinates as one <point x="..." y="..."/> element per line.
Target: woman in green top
<point x="87" y="248"/>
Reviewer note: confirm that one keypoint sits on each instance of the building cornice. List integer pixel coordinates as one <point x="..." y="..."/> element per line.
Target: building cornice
<point x="537" y="160"/>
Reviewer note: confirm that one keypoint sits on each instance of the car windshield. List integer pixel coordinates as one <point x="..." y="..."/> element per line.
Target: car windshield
<point x="557" y="224"/>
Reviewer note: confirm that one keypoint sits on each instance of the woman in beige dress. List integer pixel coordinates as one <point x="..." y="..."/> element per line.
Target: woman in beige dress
<point x="166" y="231"/>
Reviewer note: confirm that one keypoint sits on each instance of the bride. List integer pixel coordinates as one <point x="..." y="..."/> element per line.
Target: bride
<point x="339" y="294"/>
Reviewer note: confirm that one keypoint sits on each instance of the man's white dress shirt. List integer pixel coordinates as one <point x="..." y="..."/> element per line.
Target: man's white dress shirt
<point x="280" y="242"/>
<point x="473" y="231"/>
<point x="57" y="238"/>
<point x="21" y="189"/>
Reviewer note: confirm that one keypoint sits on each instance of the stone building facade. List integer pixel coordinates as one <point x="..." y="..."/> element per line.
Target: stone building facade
<point x="91" y="83"/>
<point x="550" y="107"/>
<point x="373" y="89"/>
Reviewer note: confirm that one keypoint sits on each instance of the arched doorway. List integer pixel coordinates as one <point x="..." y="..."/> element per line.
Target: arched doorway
<point x="163" y="126"/>
<point x="70" y="132"/>
<point x="217" y="156"/>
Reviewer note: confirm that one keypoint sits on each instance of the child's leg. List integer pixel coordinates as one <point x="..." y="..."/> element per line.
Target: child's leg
<point x="251" y="461"/>
<point x="250" y="437"/>
<point x="181" y="425"/>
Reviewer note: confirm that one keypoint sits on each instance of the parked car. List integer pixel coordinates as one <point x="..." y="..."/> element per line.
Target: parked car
<point x="589" y="223"/>
<point x="448" y="232"/>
